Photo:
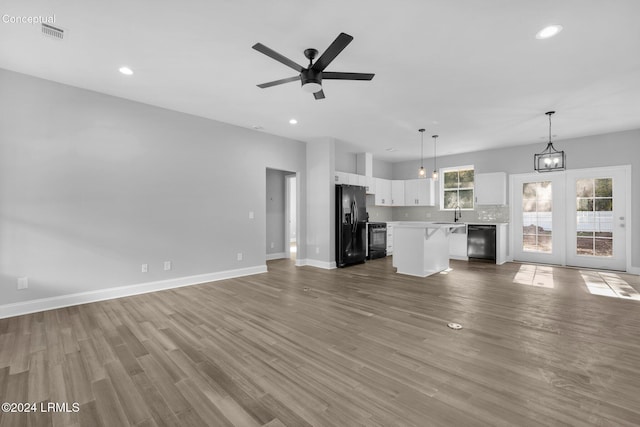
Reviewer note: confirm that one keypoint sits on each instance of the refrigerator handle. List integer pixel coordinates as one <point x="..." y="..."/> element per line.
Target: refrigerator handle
<point x="354" y="213"/>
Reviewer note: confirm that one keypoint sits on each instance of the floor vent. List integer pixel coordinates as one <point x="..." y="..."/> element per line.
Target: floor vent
<point x="53" y="32"/>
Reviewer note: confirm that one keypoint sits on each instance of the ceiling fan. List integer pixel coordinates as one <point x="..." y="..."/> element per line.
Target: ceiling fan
<point x="312" y="76"/>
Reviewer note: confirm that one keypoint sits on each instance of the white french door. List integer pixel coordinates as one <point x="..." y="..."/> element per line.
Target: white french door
<point x="538" y="217"/>
<point x="576" y="217"/>
<point x="596" y="220"/>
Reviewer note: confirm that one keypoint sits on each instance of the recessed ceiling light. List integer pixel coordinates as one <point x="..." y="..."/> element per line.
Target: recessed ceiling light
<point x="293" y="121"/>
<point x="548" y="31"/>
<point x="391" y="149"/>
<point x="126" y="71"/>
<point x="257" y="127"/>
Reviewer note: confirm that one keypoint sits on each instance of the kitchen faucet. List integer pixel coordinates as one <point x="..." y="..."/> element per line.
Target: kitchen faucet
<point x="457" y="214"/>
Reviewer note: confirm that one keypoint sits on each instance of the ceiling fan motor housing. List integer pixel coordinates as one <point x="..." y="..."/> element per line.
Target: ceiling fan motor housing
<point x="311" y="80"/>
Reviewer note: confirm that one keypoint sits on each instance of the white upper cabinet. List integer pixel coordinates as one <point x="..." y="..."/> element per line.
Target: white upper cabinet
<point x="341" y="177"/>
<point x="491" y="188"/>
<point x="397" y="192"/>
<point x="370" y="184"/>
<point x="353" y="179"/>
<point x="383" y="192"/>
<point x="419" y="192"/>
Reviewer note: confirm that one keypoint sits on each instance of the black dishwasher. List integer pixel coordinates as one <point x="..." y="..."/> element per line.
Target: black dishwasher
<point x="481" y="241"/>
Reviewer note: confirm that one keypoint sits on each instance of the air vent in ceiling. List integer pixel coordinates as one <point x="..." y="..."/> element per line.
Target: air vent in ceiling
<point x="53" y="32"/>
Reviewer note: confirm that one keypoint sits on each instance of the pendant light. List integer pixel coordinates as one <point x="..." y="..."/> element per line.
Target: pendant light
<point x="421" y="172"/>
<point x="434" y="175"/>
<point x="550" y="159"/>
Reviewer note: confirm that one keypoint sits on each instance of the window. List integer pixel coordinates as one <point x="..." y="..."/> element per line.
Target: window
<point x="456" y="188"/>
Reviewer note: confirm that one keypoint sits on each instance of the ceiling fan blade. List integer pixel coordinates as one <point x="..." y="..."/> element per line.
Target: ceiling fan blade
<point x="332" y="51"/>
<point x="278" y="57"/>
<point x="346" y="76"/>
<point x="319" y="95"/>
<point x="278" y="82"/>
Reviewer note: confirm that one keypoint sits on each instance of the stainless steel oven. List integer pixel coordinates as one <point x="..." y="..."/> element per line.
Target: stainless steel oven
<point x="377" y="240"/>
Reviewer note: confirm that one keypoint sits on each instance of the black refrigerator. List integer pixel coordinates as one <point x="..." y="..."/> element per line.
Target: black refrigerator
<point x="351" y="225"/>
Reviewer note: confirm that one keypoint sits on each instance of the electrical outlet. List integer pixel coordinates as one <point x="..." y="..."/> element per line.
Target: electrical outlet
<point x="273" y="245"/>
<point x="23" y="283"/>
<point x="167" y="265"/>
<point x="144" y="268"/>
<point x="251" y="215"/>
<point x="428" y="214"/>
<point x="317" y="249"/>
<point x="239" y="256"/>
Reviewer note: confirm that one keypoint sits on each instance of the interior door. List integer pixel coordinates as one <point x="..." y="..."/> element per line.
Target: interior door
<point x="538" y="218"/>
<point x="596" y="218"/>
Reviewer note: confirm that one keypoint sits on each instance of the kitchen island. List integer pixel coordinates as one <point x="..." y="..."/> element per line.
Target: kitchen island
<point x="422" y="248"/>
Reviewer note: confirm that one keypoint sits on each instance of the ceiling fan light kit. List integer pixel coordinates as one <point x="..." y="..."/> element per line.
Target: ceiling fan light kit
<point x="549" y="159"/>
<point x="312" y="76"/>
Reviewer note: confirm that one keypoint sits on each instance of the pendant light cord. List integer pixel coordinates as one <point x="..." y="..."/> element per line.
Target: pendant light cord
<point x="550" y="113"/>
<point x="421" y="148"/>
<point x="435" y="139"/>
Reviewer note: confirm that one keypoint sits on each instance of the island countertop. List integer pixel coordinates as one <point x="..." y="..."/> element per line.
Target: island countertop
<point x="429" y="224"/>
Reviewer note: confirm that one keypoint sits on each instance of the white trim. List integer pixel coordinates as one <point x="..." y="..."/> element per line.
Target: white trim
<point x="42" y="304"/>
<point x="278" y="255"/>
<point x="441" y="173"/>
<point x="315" y="263"/>
<point x="634" y="270"/>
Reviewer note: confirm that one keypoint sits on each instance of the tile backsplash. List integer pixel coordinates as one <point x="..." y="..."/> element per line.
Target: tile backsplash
<point x="487" y="213"/>
<point x="484" y="213"/>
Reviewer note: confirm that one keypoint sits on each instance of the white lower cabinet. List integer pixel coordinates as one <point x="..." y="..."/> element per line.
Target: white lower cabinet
<point x="389" y="238"/>
<point x="458" y="244"/>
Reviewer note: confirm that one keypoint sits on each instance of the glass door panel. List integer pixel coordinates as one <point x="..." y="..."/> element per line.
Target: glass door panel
<point x="596" y="224"/>
<point x="538" y="218"/>
<point x="537" y="221"/>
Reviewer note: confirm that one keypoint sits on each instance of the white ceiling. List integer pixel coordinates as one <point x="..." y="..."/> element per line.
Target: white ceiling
<point x="469" y="70"/>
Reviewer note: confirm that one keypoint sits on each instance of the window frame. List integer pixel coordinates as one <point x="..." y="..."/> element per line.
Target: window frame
<point x="441" y="173"/>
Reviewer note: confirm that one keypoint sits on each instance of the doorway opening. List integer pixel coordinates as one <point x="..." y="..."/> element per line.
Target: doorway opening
<point x="291" y="224"/>
<point x="282" y="233"/>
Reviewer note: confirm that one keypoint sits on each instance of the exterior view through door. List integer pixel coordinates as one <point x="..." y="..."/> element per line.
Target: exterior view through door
<point x="575" y="218"/>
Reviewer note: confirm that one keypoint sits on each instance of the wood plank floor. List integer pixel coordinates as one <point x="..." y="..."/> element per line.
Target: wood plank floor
<point x="355" y="346"/>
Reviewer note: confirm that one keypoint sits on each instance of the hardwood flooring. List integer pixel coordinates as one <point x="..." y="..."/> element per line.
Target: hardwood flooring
<point x="355" y="346"/>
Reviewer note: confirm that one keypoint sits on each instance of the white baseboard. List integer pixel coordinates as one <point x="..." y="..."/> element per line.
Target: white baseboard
<point x="42" y="304"/>
<point x="634" y="270"/>
<point x="316" y="263"/>
<point x="279" y="255"/>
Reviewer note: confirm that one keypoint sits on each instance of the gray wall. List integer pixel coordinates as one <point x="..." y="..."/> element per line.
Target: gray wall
<point x="345" y="158"/>
<point x="613" y="149"/>
<point x="275" y="211"/>
<point x="346" y="161"/>
<point x="93" y="186"/>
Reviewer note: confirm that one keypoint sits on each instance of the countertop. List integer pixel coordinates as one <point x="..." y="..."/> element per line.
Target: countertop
<point x="428" y="224"/>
